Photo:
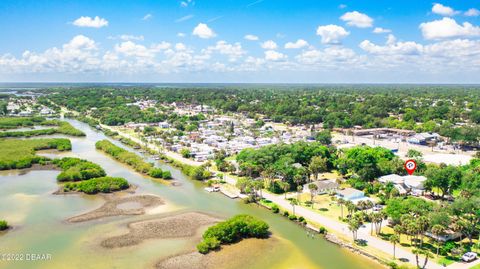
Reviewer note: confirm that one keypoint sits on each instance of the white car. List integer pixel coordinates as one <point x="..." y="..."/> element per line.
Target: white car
<point x="469" y="256"/>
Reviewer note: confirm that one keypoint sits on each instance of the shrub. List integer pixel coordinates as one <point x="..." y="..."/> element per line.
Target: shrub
<point x="167" y="175"/>
<point x="301" y="219"/>
<point x="231" y="231"/>
<point x="101" y="184"/>
<point x="208" y="244"/>
<point x="75" y="169"/>
<point x="447" y="247"/>
<point x="322" y="230"/>
<point x="275" y="209"/>
<point x="3" y="225"/>
<point x="292" y="217"/>
<point x="285" y="213"/>
<point x="156" y="173"/>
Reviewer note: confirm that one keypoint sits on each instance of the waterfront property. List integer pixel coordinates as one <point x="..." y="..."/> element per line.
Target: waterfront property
<point x="323" y="186"/>
<point x="351" y="194"/>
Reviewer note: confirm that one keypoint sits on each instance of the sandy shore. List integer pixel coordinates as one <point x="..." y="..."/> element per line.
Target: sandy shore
<point x="174" y="226"/>
<point x="240" y="255"/>
<point x="120" y="206"/>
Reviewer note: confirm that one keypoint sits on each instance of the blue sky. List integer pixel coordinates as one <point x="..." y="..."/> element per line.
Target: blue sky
<point x="240" y="41"/>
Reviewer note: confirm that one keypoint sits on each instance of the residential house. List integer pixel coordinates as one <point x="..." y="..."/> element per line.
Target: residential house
<point x="323" y="186"/>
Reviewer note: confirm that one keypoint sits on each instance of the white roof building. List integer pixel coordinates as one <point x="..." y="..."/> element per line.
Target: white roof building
<point x="394" y="178"/>
<point x="414" y="182"/>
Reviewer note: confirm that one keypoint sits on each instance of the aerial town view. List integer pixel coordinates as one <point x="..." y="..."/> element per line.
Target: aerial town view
<point x="239" y="134"/>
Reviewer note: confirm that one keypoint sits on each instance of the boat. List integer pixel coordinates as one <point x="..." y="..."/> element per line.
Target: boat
<point x="212" y="189"/>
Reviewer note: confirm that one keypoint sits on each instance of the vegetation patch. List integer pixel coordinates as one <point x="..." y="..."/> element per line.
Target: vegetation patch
<point x="75" y="169"/>
<point x="15" y="122"/>
<point x="61" y="127"/>
<point x="131" y="159"/>
<point x="18" y="154"/>
<point x="96" y="185"/>
<point x="3" y="225"/>
<point x="232" y="231"/>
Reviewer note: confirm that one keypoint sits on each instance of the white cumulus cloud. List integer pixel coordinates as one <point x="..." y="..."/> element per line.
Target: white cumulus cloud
<point x="251" y="37"/>
<point x="271" y="55"/>
<point x="332" y="34"/>
<point x="300" y="43"/>
<point x="203" y="31"/>
<point x="380" y="30"/>
<point x="232" y="51"/>
<point x="443" y="10"/>
<point x="473" y="12"/>
<point x="392" y="47"/>
<point x="85" y="21"/>
<point x="448" y="28"/>
<point x="357" y="19"/>
<point x="269" y="45"/>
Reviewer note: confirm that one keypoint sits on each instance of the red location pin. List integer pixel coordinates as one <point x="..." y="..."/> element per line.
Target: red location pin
<point x="410" y="166"/>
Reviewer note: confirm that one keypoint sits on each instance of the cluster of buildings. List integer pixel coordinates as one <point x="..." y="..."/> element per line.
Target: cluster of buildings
<point x="230" y="135"/>
<point x="24" y="107"/>
<point x="413" y="185"/>
<point x="219" y="132"/>
<point x="144" y="104"/>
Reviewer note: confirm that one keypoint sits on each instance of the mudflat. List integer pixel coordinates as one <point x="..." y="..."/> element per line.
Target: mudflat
<point x="173" y="226"/>
<point x="120" y="206"/>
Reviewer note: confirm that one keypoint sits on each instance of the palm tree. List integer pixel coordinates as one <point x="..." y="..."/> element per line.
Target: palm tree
<point x="361" y="204"/>
<point x="371" y="216"/>
<point x="258" y="186"/>
<point x="419" y="252"/>
<point x="299" y="190"/>
<point x="394" y="239"/>
<point x="341" y="202"/>
<point x="267" y="176"/>
<point x="369" y="204"/>
<point x="293" y="202"/>
<point x="378" y="220"/>
<point x="313" y="190"/>
<point x="351" y="207"/>
<point x="285" y="186"/>
<point x="437" y="231"/>
<point x="353" y="225"/>
<point x="423" y="224"/>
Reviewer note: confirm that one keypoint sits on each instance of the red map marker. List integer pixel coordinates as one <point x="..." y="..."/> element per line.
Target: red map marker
<point x="410" y="166"/>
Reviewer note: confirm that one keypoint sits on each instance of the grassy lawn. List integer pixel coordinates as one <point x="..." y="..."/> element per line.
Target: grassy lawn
<point x="323" y="205"/>
<point x="446" y="260"/>
<point x="475" y="267"/>
<point x="428" y="243"/>
<point x="266" y="203"/>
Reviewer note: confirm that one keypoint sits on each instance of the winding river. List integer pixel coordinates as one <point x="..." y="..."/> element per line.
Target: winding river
<point x="38" y="217"/>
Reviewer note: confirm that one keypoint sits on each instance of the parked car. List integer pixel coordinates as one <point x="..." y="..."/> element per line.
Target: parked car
<point x="469" y="256"/>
